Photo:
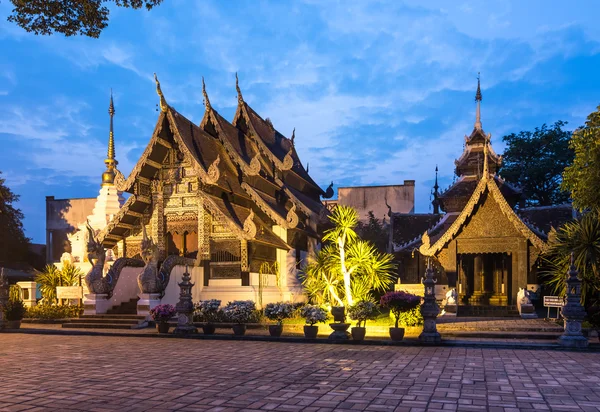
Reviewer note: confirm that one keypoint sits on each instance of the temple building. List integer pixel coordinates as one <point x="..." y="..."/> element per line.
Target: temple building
<point x="482" y="243"/>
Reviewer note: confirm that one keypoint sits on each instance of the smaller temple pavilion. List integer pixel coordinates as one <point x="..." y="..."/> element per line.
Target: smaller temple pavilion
<point x="481" y="241"/>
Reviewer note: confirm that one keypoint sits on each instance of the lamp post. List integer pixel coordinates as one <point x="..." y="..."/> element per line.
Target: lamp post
<point x="185" y="307"/>
<point x="429" y="309"/>
<point x="573" y="312"/>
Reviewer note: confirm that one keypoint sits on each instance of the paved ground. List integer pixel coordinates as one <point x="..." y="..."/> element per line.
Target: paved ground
<point x="134" y="374"/>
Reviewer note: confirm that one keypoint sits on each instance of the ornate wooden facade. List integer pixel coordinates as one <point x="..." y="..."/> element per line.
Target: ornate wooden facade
<point x="480" y="246"/>
<point x="230" y="195"/>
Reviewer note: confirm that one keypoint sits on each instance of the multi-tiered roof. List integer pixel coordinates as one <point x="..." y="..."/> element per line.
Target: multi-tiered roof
<point x="251" y="176"/>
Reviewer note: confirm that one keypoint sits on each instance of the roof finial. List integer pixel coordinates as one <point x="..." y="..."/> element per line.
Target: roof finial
<point x="206" y="101"/>
<point x="478" y="100"/>
<point x="108" y="177"/>
<point x="237" y="87"/>
<point x="293" y="137"/>
<point x="306" y="167"/>
<point x="436" y="194"/>
<point x="486" y="168"/>
<point x="163" y="102"/>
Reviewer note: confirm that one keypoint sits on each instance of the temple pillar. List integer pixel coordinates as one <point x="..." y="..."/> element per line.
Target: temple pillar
<point x="450" y="267"/>
<point x="520" y="266"/>
<point x="282" y="256"/>
<point x="499" y="278"/>
<point x="158" y="217"/>
<point x="204" y="228"/>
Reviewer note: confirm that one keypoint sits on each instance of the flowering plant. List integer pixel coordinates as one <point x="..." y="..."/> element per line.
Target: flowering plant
<point x="162" y="313"/>
<point x="363" y="311"/>
<point x="207" y="310"/>
<point x="279" y="311"/>
<point x="313" y="314"/>
<point x="398" y="302"/>
<point x="239" y="311"/>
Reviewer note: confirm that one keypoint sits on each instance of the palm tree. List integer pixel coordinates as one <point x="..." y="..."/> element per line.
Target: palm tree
<point x="582" y="237"/>
<point x="48" y="279"/>
<point x="347" y="268"/>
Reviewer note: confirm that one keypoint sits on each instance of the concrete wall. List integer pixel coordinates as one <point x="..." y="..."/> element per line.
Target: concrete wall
<point x="62" y="217"/>
<point x="373" y="198"/>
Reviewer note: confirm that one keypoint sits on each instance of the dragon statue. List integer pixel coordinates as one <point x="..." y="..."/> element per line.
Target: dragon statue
<point x="95" y="281"/>
<point x="152" y="279"/>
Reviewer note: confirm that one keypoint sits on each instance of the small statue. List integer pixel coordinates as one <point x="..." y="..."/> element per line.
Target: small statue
<point x="94" y="280"/>
<point x="523" y="297"/>
<point x="451" y="297"/>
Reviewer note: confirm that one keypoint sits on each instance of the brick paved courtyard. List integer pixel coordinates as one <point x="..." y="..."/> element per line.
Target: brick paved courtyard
<point x="135" y="374"/>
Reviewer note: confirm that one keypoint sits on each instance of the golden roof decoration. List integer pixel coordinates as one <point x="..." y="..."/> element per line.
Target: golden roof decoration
<point x="206" y="100"/>
<point x="237" y="88"/>
<point x="213" y="172"/>
<point x="249" y="225"/>
<point x="163" y="102"/>
<point x="292" y="218"/>
<point x="288" y="160"/>
<point x="254" y="168"/>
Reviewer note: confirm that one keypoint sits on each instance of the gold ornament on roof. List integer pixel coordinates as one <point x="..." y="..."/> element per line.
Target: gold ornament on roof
<point x="292" y="218"/>
<point x="163" y="102"/>
<point x="213" y="173"/>
<point x="237" y="88"/>
<point x="249" y="225"/>
<point x="206" y="100"/>
<point x="254" y="168"/>
<point x="288" y="160"/>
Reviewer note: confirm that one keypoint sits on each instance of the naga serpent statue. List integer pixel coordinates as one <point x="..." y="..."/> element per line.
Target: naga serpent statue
<point x="95" y="281"/>
<point x="152" y="279"/>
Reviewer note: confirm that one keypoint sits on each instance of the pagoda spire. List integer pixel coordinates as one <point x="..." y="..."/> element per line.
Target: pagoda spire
<point x="486" y="167"/>
<point x="206" y="100"/>
<point x="436" y="193"/>
<point x="294" y="137"/>
<point x="108" y="177"/>
<point x="237" y="88"/>
<point x="478" y="100"/>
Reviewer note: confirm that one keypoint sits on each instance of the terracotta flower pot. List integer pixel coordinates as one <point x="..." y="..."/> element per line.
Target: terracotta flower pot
<point x="162" y="327"/>
<point x="208" y="329"/>
<point x="311" y="332"/>
<point x="358" y="333"/>
<point x="13" y="324"/>
<point x="275" y="330"/>
<point x="239" y="329"/>
<point x="397" y="334"/>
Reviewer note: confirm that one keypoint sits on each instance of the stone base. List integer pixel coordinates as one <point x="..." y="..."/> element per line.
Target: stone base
<point x="147" y="302"/>
<point x="340" y="331"/>
<point x="570" y="341"/>
<point x="430" y="337"/>
<point x="449" y="310"/>
<point x="95" y="304"/>
<point x="527" y="311"/>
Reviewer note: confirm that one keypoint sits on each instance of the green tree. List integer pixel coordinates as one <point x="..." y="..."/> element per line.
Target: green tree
<point x="536" y="160"/>
<point x="347" y="268"/>
<point x="69" y="17"/>
<point x="582" y="178"/>
<point x="582" y="238"/>
<point x="13" y="243"/>
<point x="374" y="232"/>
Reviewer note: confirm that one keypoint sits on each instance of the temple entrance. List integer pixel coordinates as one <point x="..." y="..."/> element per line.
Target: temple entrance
<point x="484" y="279"/>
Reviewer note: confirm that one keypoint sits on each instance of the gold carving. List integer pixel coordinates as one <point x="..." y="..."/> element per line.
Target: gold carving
<point x="288" y="160"/>
<point x="292" y="218"/>
<point x="254" y="168"/>
<point x="213" y="173"/>
<point x="249" y="225"/>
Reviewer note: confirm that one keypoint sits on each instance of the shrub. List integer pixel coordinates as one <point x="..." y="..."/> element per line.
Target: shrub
<point x="53" y="312"/>
<point x="162" y="313"/>
<point x="279" y="311"/>
<point x="363" y="311"/>
<point x="313" y="314"/>
<point x="239" y="311"/>
<point x="411" y="317"/>
<point x="399" y="302"/>
<point x="207" y="310"/>
<point x="14" y="310"/>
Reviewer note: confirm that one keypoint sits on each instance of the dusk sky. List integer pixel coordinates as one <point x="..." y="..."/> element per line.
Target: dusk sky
<point x="378" y="92"/>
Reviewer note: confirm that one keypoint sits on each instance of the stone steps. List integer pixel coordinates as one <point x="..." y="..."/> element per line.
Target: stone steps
<point x="126" y="308"/>
<point x="98" y="326"/>
<point x="487" y="311"/>
<point x="113" y="321"/>
<point x="122" y="317"/>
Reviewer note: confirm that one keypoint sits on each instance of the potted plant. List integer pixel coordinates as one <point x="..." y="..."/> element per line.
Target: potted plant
<point x="398" y="302"/>
<point x="239" y="312"/>
<point x="278" y="312"/>
<point x="361" y="312"/>
<point x="312" y="314"/>
<point x="14" y="310"/>
<point x="207" y="311"/>
<point x="161" y="314"/>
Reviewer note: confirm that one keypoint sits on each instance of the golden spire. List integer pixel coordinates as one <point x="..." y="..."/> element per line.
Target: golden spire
<point x="108" y="177"/>
<point x="206" y="101"/>
<point x="478" y="100"/>
<point x="237" y="87"/>
<point x="163" y="102"/>
<point x="486" y="167"/>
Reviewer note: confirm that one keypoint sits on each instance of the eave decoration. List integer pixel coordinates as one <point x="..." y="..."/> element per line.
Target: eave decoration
<point x="249" y="225"/>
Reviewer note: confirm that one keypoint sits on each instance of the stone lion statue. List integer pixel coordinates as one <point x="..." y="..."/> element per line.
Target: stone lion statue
<point x="523" y="297"/>
<point x="451" y="297"/>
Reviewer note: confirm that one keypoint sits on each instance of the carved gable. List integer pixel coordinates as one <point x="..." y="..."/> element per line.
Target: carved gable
<point x="488" y="221"/>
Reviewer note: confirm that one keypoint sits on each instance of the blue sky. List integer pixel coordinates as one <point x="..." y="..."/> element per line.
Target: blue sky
<point x="378" y="92"/>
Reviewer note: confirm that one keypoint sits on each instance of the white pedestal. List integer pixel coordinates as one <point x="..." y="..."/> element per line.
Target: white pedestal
<point x="95" y="304"/>
<point x="29" y="293"/>
<point x="147" y="302"/>
<point x="527" y="311"/>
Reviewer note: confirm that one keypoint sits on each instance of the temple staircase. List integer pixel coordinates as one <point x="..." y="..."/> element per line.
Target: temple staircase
<point x="121" y="317"/>
<point x="487" y="311"/>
